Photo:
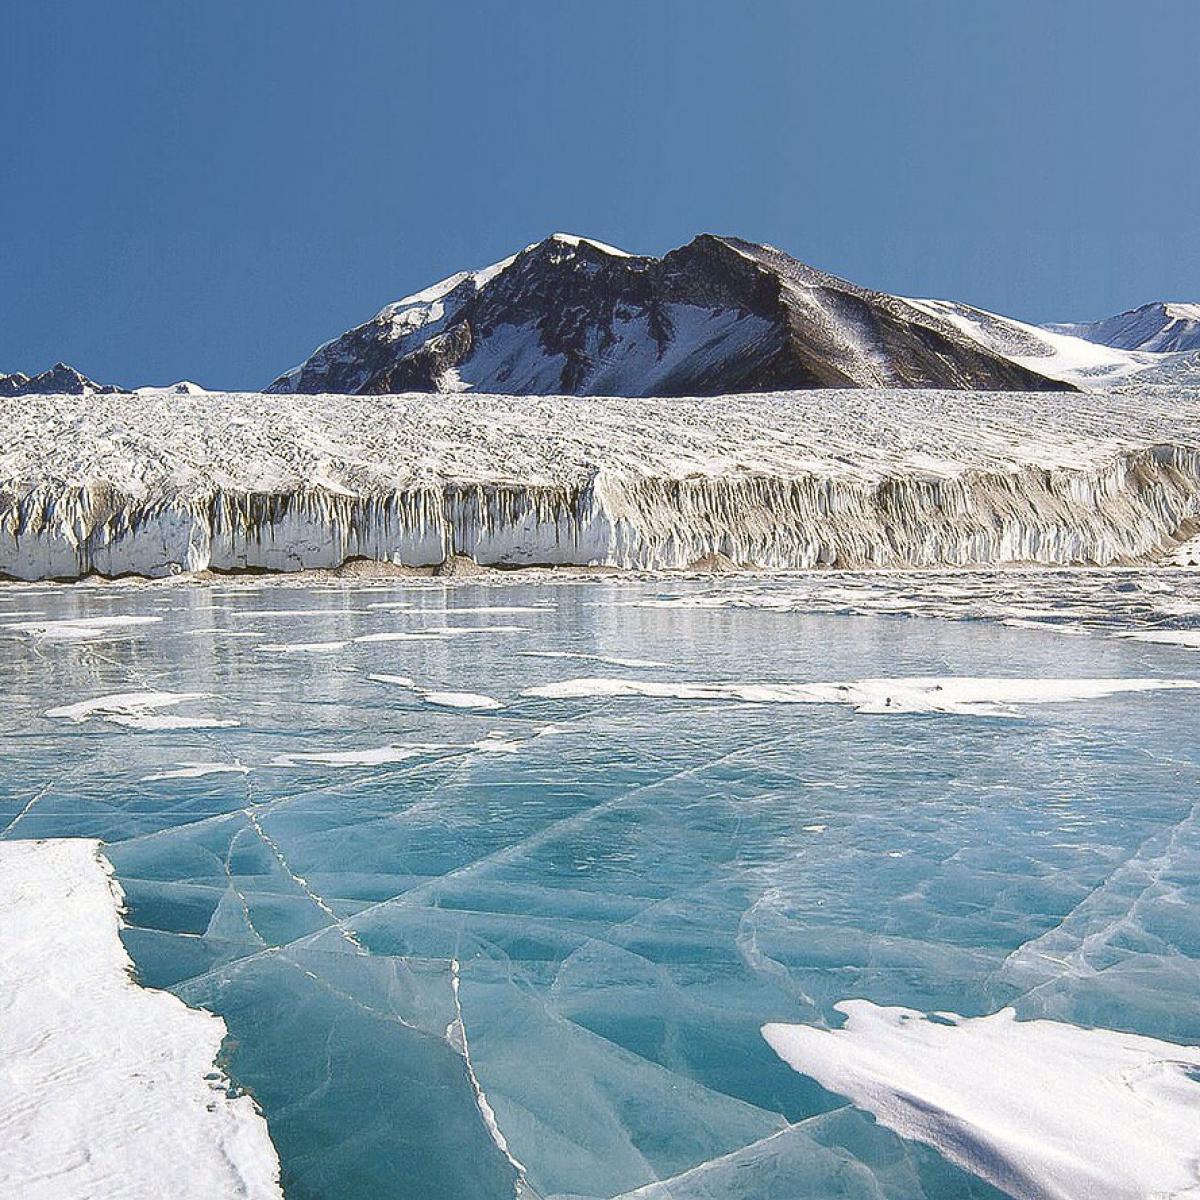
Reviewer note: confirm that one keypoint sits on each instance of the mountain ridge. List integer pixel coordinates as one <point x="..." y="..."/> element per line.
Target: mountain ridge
<point x="59" y="380"/>
<point x="570" y="315"/>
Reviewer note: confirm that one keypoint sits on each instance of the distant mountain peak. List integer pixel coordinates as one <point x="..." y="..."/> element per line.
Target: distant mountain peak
<point x="1161" y="327"/>
<point x="60" y="379"/>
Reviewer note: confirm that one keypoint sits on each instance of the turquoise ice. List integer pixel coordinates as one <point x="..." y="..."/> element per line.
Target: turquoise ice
<point x="526" y="948"/>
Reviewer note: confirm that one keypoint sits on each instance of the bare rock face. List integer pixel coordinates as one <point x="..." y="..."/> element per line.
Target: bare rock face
<point x="569" y="316"/>
<point x="59" y="380"/>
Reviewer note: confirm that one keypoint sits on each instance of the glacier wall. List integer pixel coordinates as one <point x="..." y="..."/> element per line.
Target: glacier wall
<point x="1125" y="506"/>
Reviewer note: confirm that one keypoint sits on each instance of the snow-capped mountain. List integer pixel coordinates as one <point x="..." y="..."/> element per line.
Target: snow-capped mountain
<point x="1163" y="327"/>
<point x="568" y="315"/>
<point x="59" y="380"/>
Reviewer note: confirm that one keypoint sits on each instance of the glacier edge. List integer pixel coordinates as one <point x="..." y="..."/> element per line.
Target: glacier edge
<point x="160" y="484"/>
<point x="1141" y="503"/>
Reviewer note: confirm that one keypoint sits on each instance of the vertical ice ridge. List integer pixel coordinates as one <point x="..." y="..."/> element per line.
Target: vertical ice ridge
<point x="1128" y="506"/>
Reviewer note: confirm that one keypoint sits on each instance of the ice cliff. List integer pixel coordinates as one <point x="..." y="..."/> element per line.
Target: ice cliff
<point x="158" y="484"/>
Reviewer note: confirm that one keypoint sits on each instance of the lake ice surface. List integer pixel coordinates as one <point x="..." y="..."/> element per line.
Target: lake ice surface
<point x="470" y="940"/>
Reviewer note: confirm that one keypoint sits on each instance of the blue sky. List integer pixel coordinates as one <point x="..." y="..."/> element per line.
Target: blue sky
<point x="207" y="190"/>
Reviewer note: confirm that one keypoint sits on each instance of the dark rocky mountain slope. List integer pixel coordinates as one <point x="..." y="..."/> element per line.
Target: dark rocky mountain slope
<point x="719" y="315"/>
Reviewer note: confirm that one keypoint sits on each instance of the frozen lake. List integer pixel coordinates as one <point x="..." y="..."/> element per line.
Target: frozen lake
<point x="496" y="884"/>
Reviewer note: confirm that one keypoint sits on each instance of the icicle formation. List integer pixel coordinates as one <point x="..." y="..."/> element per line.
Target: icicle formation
<point x="1133" y="505"/>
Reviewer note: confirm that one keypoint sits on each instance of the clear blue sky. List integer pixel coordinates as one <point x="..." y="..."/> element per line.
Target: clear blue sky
<point x="208" y="189"/>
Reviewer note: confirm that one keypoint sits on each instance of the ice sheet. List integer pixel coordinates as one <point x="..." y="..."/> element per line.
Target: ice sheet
<point x="629" y="900"/>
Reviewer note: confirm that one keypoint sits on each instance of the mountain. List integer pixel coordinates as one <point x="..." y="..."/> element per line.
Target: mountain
<point x="568" y="315"/>
<point x="59" y="380"/>
<point x="1162" y="327"/>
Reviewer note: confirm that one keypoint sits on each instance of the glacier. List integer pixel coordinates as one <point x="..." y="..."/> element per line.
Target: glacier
<point x="160" y="484"/>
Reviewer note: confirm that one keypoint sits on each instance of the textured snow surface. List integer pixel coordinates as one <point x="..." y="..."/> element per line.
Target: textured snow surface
<point x="1042" y="1110"/>
<point x="118" y="484"/>
<point x="106" y="1089"/>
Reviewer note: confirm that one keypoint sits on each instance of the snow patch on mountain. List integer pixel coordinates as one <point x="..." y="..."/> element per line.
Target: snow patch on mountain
<point x="1051" y="351"/>
<point x="184" y="387"/>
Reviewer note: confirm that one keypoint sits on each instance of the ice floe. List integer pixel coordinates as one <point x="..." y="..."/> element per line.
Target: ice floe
<point x="1040" y="1109"/>
<point x="959" y="695"/>
<point x="110" y="1091"/>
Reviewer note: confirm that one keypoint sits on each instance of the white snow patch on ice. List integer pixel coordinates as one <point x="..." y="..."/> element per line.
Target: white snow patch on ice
<point x="609" y="660"/>
<point x="440" y="699"/>
<point x="197" y="770"/>
<point x="78" y="629"/>
<point x="1167" y="637"/>
<point x="372" y="757"/>
<point x="302" y="647"/>
<point x="1040" y="1109"/>
<point x="958" y="695"/>
<point x="460" y="700"/>
<point x="140" y="710"/>
<point x="154" y="722"/>
<point x="121" y="704"/>
<point x="107" y="1090"/>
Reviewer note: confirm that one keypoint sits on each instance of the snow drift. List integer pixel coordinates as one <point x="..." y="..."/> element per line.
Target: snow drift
<point x="111" y="1091"/>
<point x="1041" y="1109"/>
